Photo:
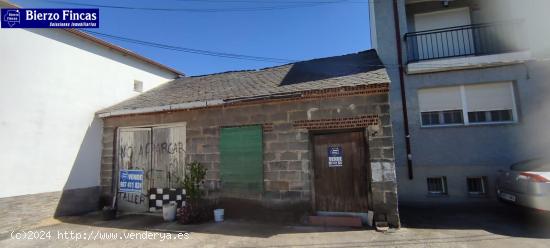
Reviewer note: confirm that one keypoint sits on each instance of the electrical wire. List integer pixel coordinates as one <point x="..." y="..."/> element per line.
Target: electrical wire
<point x="239" y="56"/>
<point x="267" y="1"/>
<point x="204" y="10"/>
<point x="424" y="64"/>
<point x="190" y="50"/>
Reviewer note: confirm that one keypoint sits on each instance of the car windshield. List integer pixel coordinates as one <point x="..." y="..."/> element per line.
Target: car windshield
<point x="539" y="164"/>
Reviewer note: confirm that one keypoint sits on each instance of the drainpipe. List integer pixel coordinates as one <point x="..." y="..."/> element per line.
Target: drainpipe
<point x="402" y="88"/>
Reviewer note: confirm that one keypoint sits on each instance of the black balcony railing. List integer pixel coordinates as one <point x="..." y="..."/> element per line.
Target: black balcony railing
<point x="477" y="39"/>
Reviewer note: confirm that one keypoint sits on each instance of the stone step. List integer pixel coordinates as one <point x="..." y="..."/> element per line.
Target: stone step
<point x="344" y="221"/>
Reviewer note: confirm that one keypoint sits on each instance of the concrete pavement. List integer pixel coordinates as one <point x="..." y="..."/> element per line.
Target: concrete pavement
<point x="423" y="227"/>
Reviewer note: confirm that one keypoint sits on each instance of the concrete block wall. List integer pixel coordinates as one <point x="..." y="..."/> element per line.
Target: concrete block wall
<point x="384" y="201"/>
<point x="286" y="143"/>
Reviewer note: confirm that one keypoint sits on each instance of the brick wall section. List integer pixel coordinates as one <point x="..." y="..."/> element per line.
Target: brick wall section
<point x="287" y="156"/>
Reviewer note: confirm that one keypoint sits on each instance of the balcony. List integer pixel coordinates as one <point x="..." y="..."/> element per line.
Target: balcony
<point x="468" y="40"/>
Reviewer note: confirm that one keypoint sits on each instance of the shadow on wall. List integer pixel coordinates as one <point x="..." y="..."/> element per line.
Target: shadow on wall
<point x="75" y="199"/>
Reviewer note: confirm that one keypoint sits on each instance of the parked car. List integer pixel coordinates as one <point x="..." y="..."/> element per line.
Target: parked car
<point x="527" y="184"/>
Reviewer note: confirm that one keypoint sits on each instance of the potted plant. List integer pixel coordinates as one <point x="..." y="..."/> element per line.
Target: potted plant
<point x="195" y="209"/>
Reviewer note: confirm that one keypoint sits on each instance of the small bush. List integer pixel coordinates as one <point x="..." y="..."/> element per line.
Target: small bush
<point x="196" y="209"/>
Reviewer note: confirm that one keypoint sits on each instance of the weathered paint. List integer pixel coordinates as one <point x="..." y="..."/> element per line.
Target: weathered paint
<point x="168" y="156"/>
<point x="159" y="152"/>
<point x="134" y="154"/>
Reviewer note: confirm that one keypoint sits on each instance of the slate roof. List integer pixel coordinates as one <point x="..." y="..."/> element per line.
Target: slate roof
<point x="356" y="69"/>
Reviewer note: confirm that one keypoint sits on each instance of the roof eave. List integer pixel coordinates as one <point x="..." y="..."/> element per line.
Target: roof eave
<point x="194" y="105"/>
<point x="171" y="107"/>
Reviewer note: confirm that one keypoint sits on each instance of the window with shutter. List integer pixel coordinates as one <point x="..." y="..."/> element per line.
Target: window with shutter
<point x="441" y="106"/>
<point x="468" y="104"/>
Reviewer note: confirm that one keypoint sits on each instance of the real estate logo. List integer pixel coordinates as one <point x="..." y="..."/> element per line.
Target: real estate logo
<point x="49" y="18"/>
<point x="11" y="17"/>
<point x="335" y="156"/>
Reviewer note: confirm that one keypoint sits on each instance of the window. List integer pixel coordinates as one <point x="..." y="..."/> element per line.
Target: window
<point x="441" y="106"/>
<point x="138" y="86"/>
<point x="477" y="117"/>
<point x="437" y="185"/>
<point x="490" y="116"/>
<point x="448" y="117"/>
<point x="467" y="104"/>
<point x="490" y="103"/>
<point x="476" y="185"/>
<point x="452" y="117"/>
<point x="501" y="115"/>
<point x="430" y="118"/>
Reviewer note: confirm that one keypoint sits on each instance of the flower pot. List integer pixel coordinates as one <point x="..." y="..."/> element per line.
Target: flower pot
<point x="169" y="211"/>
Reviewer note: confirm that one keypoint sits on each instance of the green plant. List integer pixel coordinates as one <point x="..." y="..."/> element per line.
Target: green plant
<point x="195" y="210"/>
<point x="194" y="178"/>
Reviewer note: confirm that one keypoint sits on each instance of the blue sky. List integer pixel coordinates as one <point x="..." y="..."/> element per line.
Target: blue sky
<point x="302" y="33"/>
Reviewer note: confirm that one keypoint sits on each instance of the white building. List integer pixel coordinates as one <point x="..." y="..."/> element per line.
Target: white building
<point x="52" y="82"/>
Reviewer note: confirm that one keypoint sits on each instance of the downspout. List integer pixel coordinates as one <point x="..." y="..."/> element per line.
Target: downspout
<point x="402" y="88"/>
<point x="114" y="169"/>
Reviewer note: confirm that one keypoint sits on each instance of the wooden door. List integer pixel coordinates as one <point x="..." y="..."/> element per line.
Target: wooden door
<point x="134" y="154"/>
<point x="341" y="172"/>
<point x="168" y="168"/>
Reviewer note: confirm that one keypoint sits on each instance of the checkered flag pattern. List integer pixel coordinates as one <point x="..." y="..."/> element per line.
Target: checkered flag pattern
<point x="161" y="196"/>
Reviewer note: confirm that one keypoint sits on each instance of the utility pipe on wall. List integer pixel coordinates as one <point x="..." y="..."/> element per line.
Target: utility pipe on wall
<point x="402" y="88"/>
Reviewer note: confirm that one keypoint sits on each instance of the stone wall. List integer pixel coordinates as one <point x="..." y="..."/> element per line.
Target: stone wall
<point x="287" y="150"/>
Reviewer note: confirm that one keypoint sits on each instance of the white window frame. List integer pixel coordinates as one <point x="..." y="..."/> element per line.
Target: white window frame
<point x="464" y="109"/>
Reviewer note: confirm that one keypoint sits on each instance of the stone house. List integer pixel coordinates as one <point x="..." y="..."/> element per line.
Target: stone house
<point x="313" y="135"/>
